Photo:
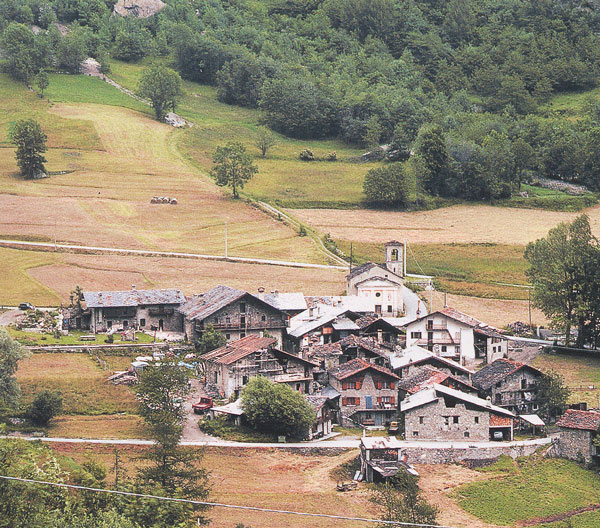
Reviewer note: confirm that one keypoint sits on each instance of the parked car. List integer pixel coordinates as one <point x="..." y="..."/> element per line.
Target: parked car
<point x="26" y="306"/>
<point x="203" y="405"/>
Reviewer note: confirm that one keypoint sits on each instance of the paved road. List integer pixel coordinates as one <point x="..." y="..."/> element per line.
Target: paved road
<point x="150" y="253"/>
<point x="411" y="303"/>
<point x="327" y="444"/>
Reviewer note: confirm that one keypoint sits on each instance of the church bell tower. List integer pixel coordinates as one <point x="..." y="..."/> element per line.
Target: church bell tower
<point x="395" y="257"/>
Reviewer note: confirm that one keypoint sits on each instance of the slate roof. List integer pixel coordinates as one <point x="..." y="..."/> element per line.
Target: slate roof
<point x="365" y="343"/>
<point x="286" y="301"/>
<point x="361" y="269"/>
<point x="316" y="400"/>
<point x="132" y="298"/>
<point x="584" y="420"/>
<point x="354" y="303"/>
<point x="498" y="370"/>
<point x="204" y="305"/>
<point x="345" y="370"/>
<point x="236" y="350"/>
<point x="415" y="355"/>
<point x="437" y="391"/>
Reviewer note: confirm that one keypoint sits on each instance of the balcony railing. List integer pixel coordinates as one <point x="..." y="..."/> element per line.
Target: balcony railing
<point x="249" y="325"/>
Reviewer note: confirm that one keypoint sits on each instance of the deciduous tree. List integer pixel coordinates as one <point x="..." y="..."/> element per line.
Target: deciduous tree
<point x="162" y="86"/>
<point x="232" y="167"/>
<point x="10" y="354"/>
<point x="45" y="406"/>
<point x="390" y="185"/>
<point x="30" y="140"/>
<point x="276" y="408"/>
<point x="265" y="139"/>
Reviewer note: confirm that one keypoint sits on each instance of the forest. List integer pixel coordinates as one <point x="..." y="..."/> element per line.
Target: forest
<point x="458" y="90"/>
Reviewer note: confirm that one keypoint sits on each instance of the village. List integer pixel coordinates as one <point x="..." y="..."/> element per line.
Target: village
<point x="443" y="387"/>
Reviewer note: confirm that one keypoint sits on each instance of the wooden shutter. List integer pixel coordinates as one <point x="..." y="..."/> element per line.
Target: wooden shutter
<point x="392" y="385"/>
<point x="392" y="400"/>
<point x="379" y="384"/>
<point x="344" y="401"/>
<point x="358" y="385"/>
<point x="344" y="386"/>
<point x="357" y="402"/>
<point x="379" y="400"/>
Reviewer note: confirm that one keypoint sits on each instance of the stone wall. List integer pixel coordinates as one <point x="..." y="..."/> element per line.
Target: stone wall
<point x="576" y="444"/>
<point x="435" y="421"/>
<point x="454" y="454"/>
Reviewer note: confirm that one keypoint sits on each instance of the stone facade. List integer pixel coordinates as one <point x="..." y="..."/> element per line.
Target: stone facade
<point x="435" y="421"/>
<point x="577" y="444"/>
<point x="162" y="317"/>
<point x="517" y="392"/>
<point x="368" y="397"/>
<point x="246" y="316"/>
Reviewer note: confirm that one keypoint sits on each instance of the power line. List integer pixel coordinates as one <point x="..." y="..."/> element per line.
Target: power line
<point x="222" y="505"/>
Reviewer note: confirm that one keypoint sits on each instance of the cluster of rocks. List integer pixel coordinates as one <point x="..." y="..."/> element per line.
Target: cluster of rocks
<point x="557" y="185"/>
<point x="163" y="200"/>
<point x="38" y="321"/>
<point x="520" y="328"/>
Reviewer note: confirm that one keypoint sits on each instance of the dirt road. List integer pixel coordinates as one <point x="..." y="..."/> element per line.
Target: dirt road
<point x="191" y="431"/>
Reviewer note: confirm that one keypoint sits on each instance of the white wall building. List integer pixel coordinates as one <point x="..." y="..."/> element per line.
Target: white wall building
<point x="453" y="334"/>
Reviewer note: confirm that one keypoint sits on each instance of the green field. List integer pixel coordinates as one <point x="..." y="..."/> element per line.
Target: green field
<point x="462" y="269"/>
<point x="282" y="177"/>
<point x="527" y="488"/>
<point x="74" y="338"/>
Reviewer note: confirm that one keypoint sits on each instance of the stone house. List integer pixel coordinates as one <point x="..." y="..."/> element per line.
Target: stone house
<point x="229" y="368"/>
<point x="325" y="410"/>
<point x="371" y="325"/>
<point x="320" y="325"/>
<point x="445" y="414"/>
<point x="368" y="392"/>
<point x="414" y="358"/>
<point x="235" y="313"/>
<point x="140" y="309"/>
<point x="578" y="429"/>
<point x="383" y="284"/>
<point x="458" y="336"/>
<point x="510" y="384"/>
<point x="290" y="303"/>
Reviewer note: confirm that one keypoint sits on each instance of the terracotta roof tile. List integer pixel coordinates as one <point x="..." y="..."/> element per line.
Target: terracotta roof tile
<point x="586" y="420"/>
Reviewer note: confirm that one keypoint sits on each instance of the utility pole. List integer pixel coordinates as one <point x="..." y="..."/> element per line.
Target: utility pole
<point x="225" y="238"/>
<point x="351" y="256"/>
<point x="529" y="299"/>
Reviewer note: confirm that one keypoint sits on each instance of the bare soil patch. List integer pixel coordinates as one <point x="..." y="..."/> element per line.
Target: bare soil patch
<point x="460" y="223"/>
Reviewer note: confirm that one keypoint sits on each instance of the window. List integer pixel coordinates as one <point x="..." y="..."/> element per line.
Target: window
<point x="430" y="324"/>
<point x="535" y="406"/>
<point x="447" y="420"/>
<point x="227" y="336"/>
<point x="499" y="384"/>
<point x="378" y="294"/>
<point x="216" y="377"/>
<point x="244" y="380"/>
<point x="415" y="335"/>
<point x="243" y="320"/>
<point x="421" y="419"/>
<point x="467" y="434"/>
<point x="476" y="419"/>
<point x="415" y="433"/>
<point x="498" y="398"/>
<point x="390" y="308"/>
<point x="242" y="307"/>
<point x="263" y="318"/>
<point x="228" y="320"/>
<point x="242" y="334"/>
<point x="351" y="401"/>
<point x="444" y="348"/>
<point x="142" y="322"/>
<point x="109" y="324"/>
<point x="125" y="323"/>
<point x="523" y="383"/>
<point x="455" y="419"/>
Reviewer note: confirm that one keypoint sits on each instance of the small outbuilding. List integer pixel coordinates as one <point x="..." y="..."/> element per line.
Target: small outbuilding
<point x="381" y="457"/>
<point x="578" y="430"/>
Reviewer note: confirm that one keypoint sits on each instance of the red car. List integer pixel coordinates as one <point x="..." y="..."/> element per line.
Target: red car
<point x="203" y="405"/>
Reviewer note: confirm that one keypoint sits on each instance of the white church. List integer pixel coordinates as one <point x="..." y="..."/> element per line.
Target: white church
<point x="381" y="283"/>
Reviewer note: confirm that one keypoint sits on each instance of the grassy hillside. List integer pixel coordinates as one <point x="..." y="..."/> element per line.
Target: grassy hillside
<point x="528" y="488"/>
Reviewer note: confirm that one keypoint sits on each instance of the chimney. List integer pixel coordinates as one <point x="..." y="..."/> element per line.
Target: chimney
<point x="133" y="286"/>
<point x="261" y="293"/>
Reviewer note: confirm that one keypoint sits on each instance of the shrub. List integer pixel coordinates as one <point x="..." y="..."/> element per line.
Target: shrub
<point x="332" y="156"/>
<point x="46" y="405"/>
<point x="307" y="155"/>
<point x="110" y="338"/>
